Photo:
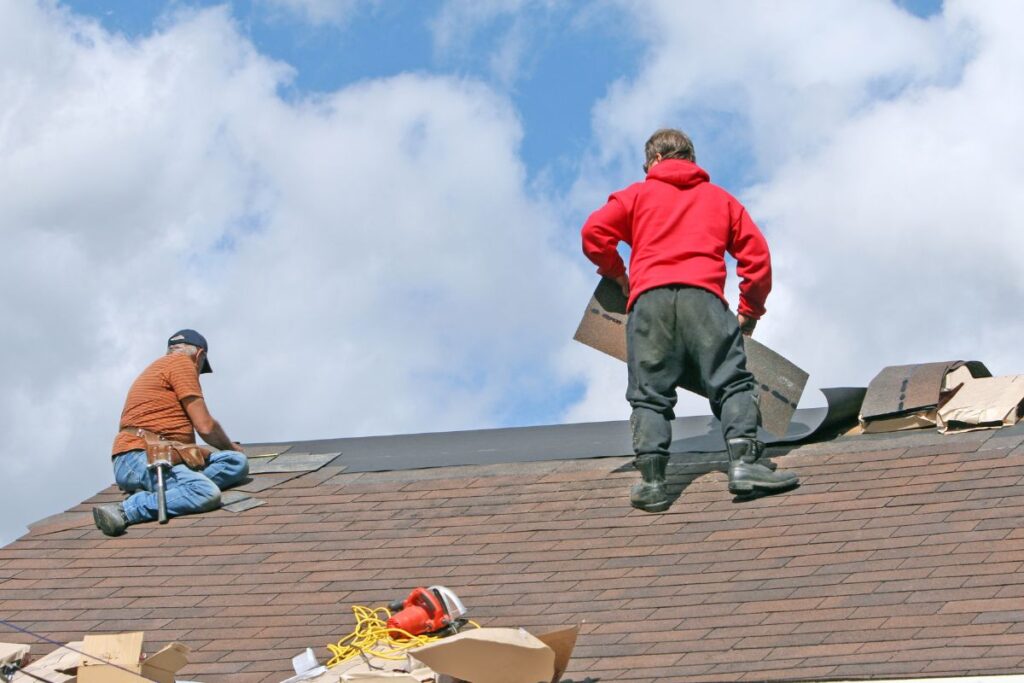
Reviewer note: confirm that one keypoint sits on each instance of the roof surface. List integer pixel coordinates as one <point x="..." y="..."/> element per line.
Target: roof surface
<point x="900" y="555"/>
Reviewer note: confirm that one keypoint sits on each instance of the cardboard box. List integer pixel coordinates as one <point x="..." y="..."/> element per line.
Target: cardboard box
<point x="909" y="396"/>
<point x="53" y="666"/>
<point x="116" y="659"/>
<point x="780" y="382"/>
<point x="984" y="403"/>
<point x="13" y="653"/>
<point x="501" y="655"/>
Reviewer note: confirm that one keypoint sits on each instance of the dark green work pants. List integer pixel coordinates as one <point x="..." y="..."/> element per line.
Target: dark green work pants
<point x="681" y="336"/>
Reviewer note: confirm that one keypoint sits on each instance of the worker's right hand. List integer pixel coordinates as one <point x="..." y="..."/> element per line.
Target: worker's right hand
<point x="237" y="447"/>
<point x="623" y="282"/>
<point x="747" y="325"/>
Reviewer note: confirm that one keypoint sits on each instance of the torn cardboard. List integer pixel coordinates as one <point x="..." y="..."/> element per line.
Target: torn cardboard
<point x="116" y="659"/>
<point x="13" y="653"/>
<point x="909" y="396"/>
<point x="53" y="666"/>
<point x="983" y="403"/>
<point x="780" y="382"/>
<point x="500" y="655"/>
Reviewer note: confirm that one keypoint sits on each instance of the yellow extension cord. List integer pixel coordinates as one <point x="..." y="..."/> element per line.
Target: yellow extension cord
<point x="372" y="637"/>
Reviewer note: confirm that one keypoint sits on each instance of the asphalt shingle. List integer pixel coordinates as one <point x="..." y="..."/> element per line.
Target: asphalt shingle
<point x="900" y="555"/>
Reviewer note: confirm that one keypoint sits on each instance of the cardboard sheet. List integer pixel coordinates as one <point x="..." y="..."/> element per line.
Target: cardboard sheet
<point x="116" y="658"/>
<point x="490" y="655"/>
<point x="983" y="403"/>
<point x="561" y="643"/>
<point x="54" y="666"/>
<point x="11" y="653"/>
<point x="780" y="382"/>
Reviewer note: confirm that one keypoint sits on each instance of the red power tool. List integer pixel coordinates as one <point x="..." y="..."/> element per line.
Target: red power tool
<point x="426" y="611"/>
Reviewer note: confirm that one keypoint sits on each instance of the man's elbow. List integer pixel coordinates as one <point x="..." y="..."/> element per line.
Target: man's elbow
<point x="205" y="427"/>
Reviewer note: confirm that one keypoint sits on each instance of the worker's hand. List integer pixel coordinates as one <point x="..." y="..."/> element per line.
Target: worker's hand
<point x="235" y="446"/>
<point x="747" y="325"/>
<point x="623" y="282"/>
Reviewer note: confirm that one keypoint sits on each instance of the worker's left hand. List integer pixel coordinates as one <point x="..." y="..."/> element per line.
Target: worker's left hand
<point x="747" y="325"/>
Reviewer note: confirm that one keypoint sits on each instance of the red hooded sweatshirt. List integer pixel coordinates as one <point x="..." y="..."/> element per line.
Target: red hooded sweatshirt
<point x="679" y="227"/>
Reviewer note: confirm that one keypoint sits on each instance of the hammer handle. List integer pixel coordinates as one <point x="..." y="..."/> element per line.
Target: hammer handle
<point x="161" y="495"/>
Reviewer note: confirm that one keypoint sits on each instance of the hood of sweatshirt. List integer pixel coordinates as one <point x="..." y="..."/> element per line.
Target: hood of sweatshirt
<point x="678" y="172"/>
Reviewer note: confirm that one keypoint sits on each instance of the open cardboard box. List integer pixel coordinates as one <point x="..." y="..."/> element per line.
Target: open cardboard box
<point x="983" y="403"/>
<point x="910" y="396"/>
<point x="485" y="655"/>
<point x="117" y="658"/>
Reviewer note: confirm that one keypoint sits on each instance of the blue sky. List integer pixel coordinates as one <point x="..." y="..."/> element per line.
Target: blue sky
<point x="371" y="209"/>
<point x="573" y="58"/>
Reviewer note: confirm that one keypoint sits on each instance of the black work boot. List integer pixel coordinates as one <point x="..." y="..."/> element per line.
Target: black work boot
<point x="110" y="519"/>
<point x="650" y="494"/>
<point x="746" y="473"/>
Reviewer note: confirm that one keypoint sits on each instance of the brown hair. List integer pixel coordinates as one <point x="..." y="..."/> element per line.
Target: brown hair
<point x="670" y="144"/>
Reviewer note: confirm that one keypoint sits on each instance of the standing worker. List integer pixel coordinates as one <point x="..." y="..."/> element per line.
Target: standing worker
<point x="680" y="331"/>
<point x="164" y="405"/>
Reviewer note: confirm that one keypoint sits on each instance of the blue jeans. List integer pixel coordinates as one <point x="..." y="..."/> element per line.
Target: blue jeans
<point x="188" y="491"/>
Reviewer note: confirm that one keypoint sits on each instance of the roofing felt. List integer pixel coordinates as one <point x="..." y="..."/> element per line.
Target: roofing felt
<point x="900" y="555"/>
<point x="566" y="442"/>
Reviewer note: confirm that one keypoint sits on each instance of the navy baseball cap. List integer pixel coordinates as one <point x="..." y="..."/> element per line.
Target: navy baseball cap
<point x="195" y="339"/>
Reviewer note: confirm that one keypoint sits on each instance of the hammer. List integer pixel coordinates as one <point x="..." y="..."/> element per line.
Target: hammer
<point x="160" y="462"/>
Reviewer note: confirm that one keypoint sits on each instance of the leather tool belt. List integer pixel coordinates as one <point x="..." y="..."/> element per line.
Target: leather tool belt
<point x="159" y="448"/>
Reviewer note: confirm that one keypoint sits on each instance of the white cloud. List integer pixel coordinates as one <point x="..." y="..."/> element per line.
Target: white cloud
<point x="885" y="159"/>
<point x="367" y="262"/>
<point x="319" y="12"/>
<point x="514" y="29"/>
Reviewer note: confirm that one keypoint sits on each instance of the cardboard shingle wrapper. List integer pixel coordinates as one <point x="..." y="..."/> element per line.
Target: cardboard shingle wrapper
<point x="780" y="382"/>
<point x="910" y="396"/>
<point x="983" y="403"/>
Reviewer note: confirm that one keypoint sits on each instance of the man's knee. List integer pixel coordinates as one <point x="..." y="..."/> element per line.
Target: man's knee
<point x="237" y="463"/>
<point x="233" y="464"/>
<point x="209" y="498"/>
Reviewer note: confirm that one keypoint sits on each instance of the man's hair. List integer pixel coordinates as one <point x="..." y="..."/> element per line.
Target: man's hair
<point x="184" y="349"/>
<point x="670" y="144"/>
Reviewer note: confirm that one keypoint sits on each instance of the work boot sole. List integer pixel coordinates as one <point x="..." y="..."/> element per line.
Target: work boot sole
<point x="107" y="523"/>
<point x="653" y="507"/>
<point x="748" y="486"/>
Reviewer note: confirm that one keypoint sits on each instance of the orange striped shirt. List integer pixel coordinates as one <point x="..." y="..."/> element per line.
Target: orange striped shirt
<point x="154" y="402"/>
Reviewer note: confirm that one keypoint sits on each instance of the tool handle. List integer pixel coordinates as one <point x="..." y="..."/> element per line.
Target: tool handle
<point x="161" y="496"/>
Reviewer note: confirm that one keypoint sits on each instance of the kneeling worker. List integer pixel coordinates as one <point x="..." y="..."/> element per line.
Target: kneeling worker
<point x="165" y="403"/>
<point x="680" y="331"/>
